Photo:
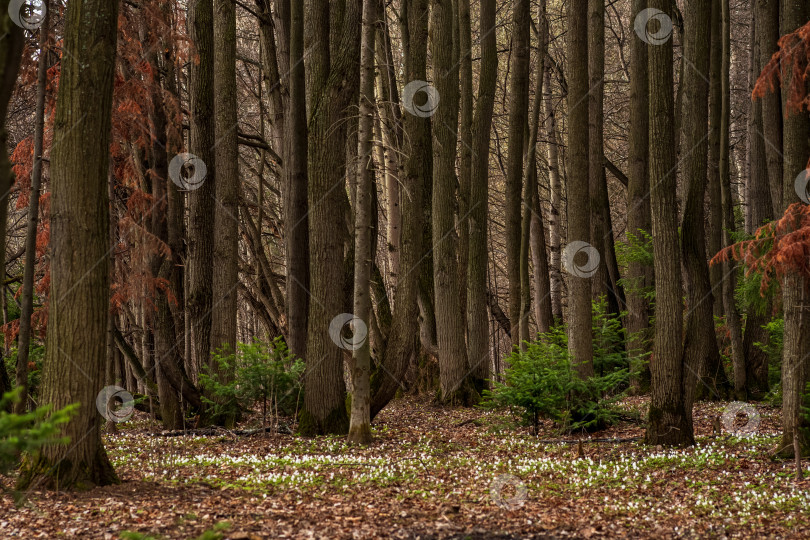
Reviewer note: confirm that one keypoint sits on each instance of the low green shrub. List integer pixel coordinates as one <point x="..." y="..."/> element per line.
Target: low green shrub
<point x="265" y="374"/>
<point x="541" y="381"/>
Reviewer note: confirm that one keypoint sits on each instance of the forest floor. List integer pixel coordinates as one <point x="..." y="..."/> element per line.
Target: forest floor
<point x="431" y="473"/>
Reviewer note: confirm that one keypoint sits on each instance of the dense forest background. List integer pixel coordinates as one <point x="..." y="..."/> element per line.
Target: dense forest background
<point x="293" y="214"/>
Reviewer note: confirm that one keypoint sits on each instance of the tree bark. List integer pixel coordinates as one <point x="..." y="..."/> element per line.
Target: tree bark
<point x="360" y="421"/>
<point x="795" y="359"/>
<point x="518" y="111"/>
<point x="579" y="223"/>
<point x="454" y="373"/>
<point x="477" y="313"/>
<point x="333" y="34"/>
<point x="639" y="275"/>
<point x="27" y="299"/>
<point x="295" y="178"/>
<point x="555" y="185"/>
<point x="668" y="423"/>
<point x="80" y="283"/>
<point x="201" y="201"/>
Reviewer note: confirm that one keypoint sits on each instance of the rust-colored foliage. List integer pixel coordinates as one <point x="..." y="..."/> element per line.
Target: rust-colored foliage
<point x="783" y="246"/>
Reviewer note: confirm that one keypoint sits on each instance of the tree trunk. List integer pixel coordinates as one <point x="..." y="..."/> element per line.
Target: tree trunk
<point x="700" y="342"/>
<point x="715" y="369"/>
<point x="226" y="215"/>
<point x="477" y="314"/>
<point x="80" y="283"/>
<point x="668" y="423"/>
<point x="465" y="149"/>
<point x="201" y="201"/>
<point x="760" y="210"/>
<point x="403" y="340"/>
<point x="332" y="69"/>
<point x="767" y="32"/>
<point x="555" y="185"/>
<point x="295" y="177"/>
<point x="27" y="299"/>
<point x="795" y="360"/>
<point x="715" y="201"/>
<point x="534" y="233"/>
<point x="579" y="223"/>
<point x="456" y="387"/>
<point x="360" y="421"/>
<point x="518" y="111"/>
<point x="639" y="275"/>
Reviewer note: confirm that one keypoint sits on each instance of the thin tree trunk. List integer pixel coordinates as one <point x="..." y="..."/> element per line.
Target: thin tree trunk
<point x="555" y="185"/>
<point x="729" y="281"/>
<point x="360" y="421"/>
<point x="518" y="111"/>
<point x="295" y="178"/>
<point x="767" y="32"/>
<point x="80" y="282"/>
<point x="27" y="299"/>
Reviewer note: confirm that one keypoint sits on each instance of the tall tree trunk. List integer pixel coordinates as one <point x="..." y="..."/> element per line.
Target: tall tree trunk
<point x="226" y="215"/>
<point x="715" y="201"/>
<point x="534" y="233"/>
<point x="579" y="223"/>
<point x="295" y="179"/>
<point x="555" y="186"/>
<point x="795" y="290"/>
<point x="477" y="315"/>
<point x="456" y="386"/>
<point x="465" y="149"/>
<point x="668" y="423"/>
<point x="10" y="54"/>
<point x="333" y="35"/>
<point x="700" y="342"/>
<point x="80" y="283"/>
<point x="403" y="339"/>
<point x="597" y="180"/>
<point x="767" y="32"/>
<point x="518" y="110"/>
<point x="360" y="421"/>
<point x="201" y="201"/>
<point x="27" y="299"/>
<point x="715" y="369"/>
<point x="760" y="210"/>
<point x="639" y="274"/>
